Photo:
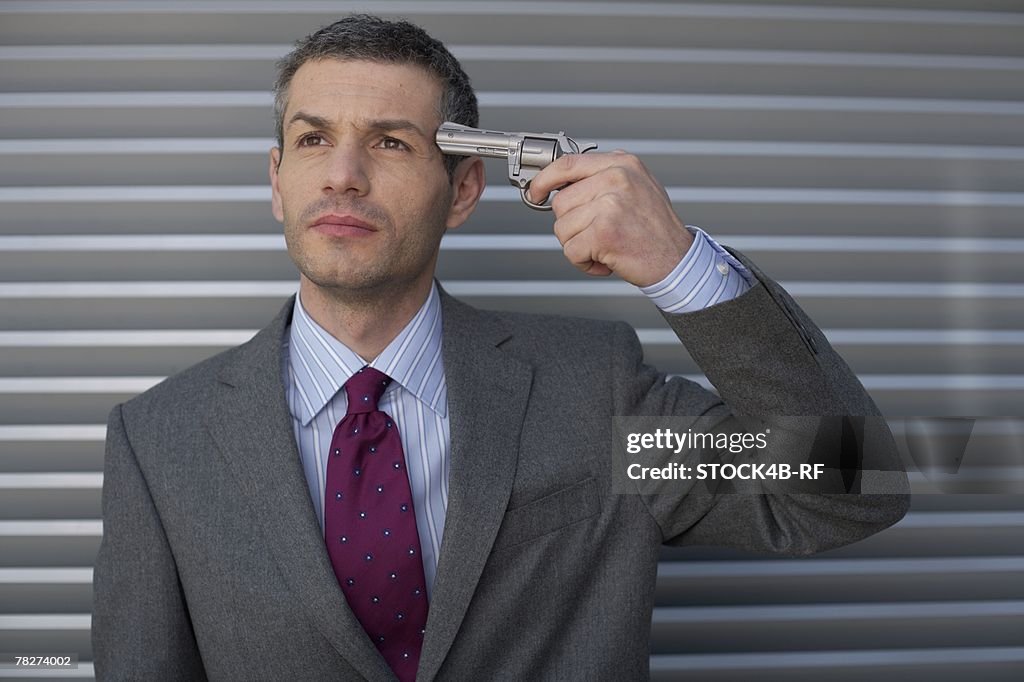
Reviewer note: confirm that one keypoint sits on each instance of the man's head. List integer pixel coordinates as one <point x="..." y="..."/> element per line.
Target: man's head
<point x="363" y="37"/>
<point x="359" y="183"/>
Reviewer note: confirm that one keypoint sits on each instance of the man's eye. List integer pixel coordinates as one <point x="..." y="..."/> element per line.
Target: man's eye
<point x="310" y="140"/>
<point x="392" y="143"/>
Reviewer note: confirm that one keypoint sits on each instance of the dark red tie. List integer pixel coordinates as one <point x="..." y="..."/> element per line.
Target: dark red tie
<point x="370" y="526"/>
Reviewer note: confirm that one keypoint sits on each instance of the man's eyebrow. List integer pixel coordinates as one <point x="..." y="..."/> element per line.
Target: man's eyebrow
<point x="312" y="119"/>
<point x="392" y="124"/>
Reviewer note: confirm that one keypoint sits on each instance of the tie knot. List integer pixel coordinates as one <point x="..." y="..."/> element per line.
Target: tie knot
<point x="364" y="389"/>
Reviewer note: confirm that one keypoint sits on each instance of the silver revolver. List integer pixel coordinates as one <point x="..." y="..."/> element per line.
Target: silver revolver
<point x="527" y="153"/>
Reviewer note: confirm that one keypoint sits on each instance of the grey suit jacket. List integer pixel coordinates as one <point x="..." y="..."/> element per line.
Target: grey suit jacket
<point x="213" y="565"/>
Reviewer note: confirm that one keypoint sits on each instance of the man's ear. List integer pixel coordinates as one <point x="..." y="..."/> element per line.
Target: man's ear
<point x="468" y="184"/>
<point x="275" y="190"/>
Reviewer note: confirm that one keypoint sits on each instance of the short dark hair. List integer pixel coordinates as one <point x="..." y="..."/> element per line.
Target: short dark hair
<point x="371" y="38"/>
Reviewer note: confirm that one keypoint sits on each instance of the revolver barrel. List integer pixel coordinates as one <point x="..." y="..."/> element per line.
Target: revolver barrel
<point x="460" y="140"/>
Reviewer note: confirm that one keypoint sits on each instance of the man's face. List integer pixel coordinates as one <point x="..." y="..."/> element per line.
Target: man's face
<point x="361" y="188"/>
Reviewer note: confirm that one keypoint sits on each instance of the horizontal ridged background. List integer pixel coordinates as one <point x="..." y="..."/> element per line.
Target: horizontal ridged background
<point x="868" y="155"/>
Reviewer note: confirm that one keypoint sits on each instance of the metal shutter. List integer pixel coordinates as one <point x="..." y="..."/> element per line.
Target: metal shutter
<point x="868" y="154"/>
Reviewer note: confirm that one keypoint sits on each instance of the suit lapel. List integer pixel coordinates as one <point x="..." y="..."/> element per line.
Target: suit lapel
<point x="488" y="391"/>
<point x="252" y="428"/>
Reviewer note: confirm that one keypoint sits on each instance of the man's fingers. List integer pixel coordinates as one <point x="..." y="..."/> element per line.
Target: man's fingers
<point x="579" y="251"/>
<point x="585" y="191"/>
<point x="593" y="217"/>
<point x="574" y="167"/>
<point x="571" y="223"/>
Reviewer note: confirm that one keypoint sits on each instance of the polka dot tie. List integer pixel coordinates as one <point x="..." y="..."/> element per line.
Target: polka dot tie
<point x="370" y="527"/>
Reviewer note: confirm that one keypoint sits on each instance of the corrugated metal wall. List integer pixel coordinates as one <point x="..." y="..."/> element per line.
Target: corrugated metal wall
<point x="869" y="155"/>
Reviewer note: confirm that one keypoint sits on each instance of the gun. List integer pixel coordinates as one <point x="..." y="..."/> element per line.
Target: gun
<point x="527" y="153"/>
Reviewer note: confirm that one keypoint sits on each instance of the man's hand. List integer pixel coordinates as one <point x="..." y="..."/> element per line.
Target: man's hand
<point x="613" y="216"/>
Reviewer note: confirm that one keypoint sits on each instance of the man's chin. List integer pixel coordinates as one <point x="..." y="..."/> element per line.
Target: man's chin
<point x="343" y="271"/>
<point x="365" y="285"/>
<point x="355" y="283"/>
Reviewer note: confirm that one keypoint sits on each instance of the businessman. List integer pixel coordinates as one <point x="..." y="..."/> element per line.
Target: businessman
<point x="388" y="483"/>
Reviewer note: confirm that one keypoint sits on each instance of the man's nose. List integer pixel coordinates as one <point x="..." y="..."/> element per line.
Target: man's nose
<point x="347" y="170"/>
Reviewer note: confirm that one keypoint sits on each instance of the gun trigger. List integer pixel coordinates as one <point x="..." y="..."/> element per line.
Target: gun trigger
<point x="538" y="207"/>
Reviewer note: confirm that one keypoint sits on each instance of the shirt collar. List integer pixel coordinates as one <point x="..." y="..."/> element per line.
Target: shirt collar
<point x="321" y="364"/>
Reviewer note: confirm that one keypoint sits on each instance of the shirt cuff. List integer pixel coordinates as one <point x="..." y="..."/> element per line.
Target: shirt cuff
<point x="707" y="274"/>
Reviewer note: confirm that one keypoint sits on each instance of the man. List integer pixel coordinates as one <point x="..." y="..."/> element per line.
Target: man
<point x="257" y="516"/>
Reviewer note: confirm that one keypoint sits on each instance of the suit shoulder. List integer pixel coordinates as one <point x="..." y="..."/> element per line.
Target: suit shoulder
<point x="183" y="394"/>
<point x="190" y="393"/>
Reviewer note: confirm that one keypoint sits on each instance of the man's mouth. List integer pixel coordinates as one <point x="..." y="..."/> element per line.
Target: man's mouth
<point x="342" y="225"/>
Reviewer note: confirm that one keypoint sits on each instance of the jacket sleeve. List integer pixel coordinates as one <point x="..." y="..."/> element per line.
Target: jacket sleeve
<point x="140" y="621"/>
<point x="765" y="357"/>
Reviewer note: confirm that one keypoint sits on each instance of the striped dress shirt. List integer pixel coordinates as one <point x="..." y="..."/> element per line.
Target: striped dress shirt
<point x="315" y="366"/>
